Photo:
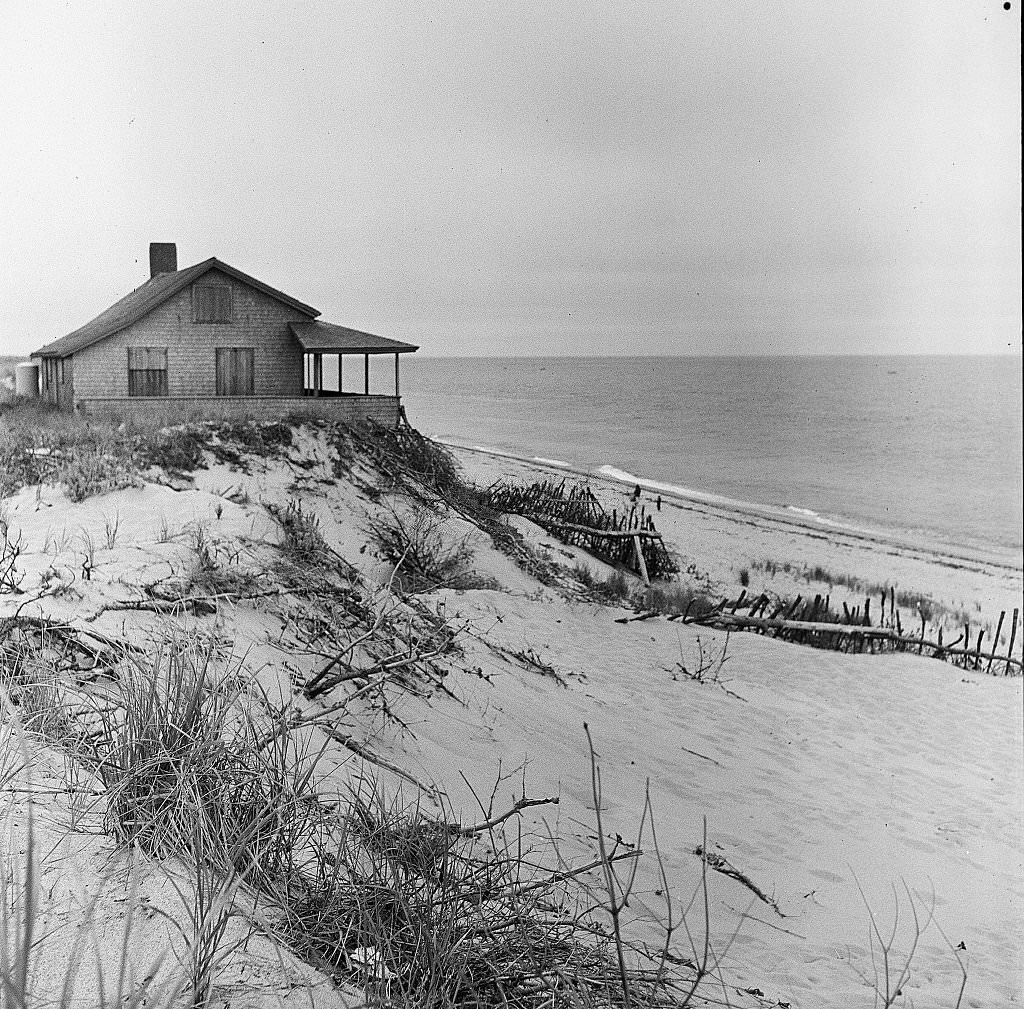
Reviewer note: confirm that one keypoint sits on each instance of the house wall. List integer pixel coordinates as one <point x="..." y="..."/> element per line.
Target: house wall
<point x="66" y="383"/>
<point x="49" y="369"/>
<point x="258" y="321"/>
<point x="342" y="409"/>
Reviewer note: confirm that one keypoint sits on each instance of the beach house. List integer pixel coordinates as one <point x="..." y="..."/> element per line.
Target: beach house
<point x="210" y="340"/>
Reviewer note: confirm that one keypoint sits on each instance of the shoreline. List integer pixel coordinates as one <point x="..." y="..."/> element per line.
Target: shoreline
<point x="957" y="554"/>
<point x="873" y="448"/>
<point x="763" y="549"/>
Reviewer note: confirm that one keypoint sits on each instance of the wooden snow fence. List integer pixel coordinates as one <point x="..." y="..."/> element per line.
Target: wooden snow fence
<point x="815" y="623"/>
<point x="575" y="516"/>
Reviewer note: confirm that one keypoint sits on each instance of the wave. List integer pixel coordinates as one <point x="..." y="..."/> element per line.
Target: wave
<point x="676" y="490"/>
<point x="911" y="536"/>
<point x="793" y="512"/>
<point x="808" y="512"/>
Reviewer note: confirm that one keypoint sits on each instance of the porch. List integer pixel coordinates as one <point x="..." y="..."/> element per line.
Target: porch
<point x="324" y="349"/>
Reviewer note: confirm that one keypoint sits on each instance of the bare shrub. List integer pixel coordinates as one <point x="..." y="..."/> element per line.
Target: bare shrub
<point x="434" y="913"/>
<point x="111" y="526"/>
<point x="423" y="558"/>
<point x="10" y="551"/>
<point x="88" y="552"/>
<point x="892" y="951"/>
<point x="707" y="666"/>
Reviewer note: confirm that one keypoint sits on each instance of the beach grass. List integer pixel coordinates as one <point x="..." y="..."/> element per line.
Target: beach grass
<point x="365" y="883"/>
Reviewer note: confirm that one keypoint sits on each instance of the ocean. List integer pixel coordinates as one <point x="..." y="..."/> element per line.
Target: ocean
<point x="921" y="448"/>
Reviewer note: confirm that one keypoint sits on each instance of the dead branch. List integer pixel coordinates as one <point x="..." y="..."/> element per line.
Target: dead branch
<point x="362" y="751"/>
<point x="494" y="821"/>
<point x="301" y="720"/>
<point x="387" y="666"/>
<point x="559" y="877"/>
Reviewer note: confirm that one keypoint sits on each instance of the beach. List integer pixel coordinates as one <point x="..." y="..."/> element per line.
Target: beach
<point x="724" y="539"/>
<point x="812" y="822"/>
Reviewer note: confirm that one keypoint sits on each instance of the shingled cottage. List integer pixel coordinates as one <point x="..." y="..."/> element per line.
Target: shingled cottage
<point x="210" y="340"/>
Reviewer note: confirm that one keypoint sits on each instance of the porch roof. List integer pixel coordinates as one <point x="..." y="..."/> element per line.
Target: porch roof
<point x="326" y="338"/>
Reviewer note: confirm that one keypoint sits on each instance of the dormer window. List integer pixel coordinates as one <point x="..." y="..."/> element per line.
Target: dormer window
<point x="211" y="303"/>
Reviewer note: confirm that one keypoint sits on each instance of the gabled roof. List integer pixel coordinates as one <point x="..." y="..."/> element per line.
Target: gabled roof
<point x="150" y="295"/>
<point x="327" y="338"/>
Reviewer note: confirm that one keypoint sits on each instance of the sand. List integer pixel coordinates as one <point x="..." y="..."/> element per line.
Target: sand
<point x="836" y="784"/>
<point x="723" y="540"/>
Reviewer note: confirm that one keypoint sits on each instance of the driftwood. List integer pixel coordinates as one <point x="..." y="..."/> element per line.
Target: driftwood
<point x="643" y="534"/>
<point x="495" y="821"/>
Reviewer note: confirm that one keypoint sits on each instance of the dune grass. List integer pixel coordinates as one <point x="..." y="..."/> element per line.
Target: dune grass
<point x="196" y="763"/>
<point x="917" y="602"/>
<point x="35" y="975"/>
<point x="93" y="455"/>
<point x="424" y="558"/>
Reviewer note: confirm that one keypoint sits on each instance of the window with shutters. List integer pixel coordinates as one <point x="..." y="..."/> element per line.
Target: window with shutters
<point x="236" y="371"/>
<point x="147" y="371"/>
<point x="211" y="303"/>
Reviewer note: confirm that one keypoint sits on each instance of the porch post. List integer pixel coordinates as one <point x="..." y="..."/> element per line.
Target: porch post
<point x="396" y="376"/>
<point x="318" y="373"/>
<point x="366" y="374"/>
<point x="341" y="384"/>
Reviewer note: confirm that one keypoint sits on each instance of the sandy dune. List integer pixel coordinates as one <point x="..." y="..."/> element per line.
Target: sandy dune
<point x="833" y="783"/>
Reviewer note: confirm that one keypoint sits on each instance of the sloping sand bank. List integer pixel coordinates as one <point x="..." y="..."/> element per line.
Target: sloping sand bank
<point x="824" y="775"/>
<point x="836" y="785"/>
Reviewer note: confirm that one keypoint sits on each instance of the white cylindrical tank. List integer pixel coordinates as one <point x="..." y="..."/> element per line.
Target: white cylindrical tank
<point x="26" y="379"/>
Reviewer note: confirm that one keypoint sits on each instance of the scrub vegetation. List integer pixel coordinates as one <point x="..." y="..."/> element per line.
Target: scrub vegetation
<point x="186" y="756"/>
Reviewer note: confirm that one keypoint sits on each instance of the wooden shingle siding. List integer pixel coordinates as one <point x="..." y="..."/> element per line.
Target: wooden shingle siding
<point x="258" y="322"/>
<point x="236" y="371"/>
<point x="49" y="371"/>
<point x="66" y="383"/>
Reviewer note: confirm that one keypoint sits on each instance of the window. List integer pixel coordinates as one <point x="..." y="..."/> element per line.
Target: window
<point x="236" y="371"/>
<point x="211" y="303"/>
<point x="147" y="371"/>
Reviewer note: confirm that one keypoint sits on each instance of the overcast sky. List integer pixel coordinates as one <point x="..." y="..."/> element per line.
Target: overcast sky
<point x="528" y="177"/>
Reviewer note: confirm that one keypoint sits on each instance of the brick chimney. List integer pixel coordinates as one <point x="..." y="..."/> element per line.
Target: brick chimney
<point x="163" y="258"/>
